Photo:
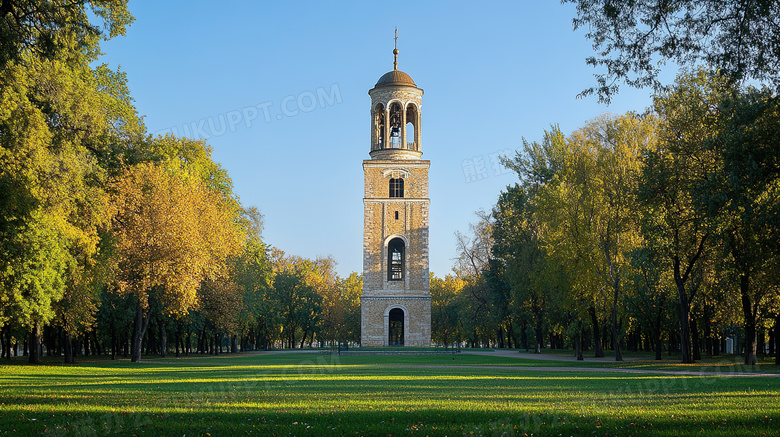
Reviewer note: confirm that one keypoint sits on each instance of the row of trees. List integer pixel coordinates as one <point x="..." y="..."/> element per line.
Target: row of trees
<point x="658" y="226"/>
<point x="636" y="230"/>
<point x="106" y="231"/>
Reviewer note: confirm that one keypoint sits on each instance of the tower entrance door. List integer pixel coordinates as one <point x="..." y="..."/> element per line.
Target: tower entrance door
<point x="396" y="335"/>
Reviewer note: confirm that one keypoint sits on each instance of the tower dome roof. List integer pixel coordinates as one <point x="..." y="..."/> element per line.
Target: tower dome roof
<point x="395" y="77"/>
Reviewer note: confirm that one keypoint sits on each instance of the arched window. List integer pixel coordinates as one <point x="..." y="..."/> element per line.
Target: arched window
<point x="396" y="187"/>
<point x="395" y="126"/>
<point x="395" y="259"/>
<point x="411" y="127"/>
<point x="379" y="124"/>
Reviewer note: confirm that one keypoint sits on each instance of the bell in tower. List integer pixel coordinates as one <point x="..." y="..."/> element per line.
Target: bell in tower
<point x="396" y="300"/>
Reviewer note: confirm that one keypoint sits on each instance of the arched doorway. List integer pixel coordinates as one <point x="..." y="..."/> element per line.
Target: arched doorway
<point x="396" y="325"/>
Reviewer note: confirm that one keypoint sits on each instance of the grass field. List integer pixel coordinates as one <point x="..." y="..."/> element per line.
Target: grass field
<point x="315" y="394"/>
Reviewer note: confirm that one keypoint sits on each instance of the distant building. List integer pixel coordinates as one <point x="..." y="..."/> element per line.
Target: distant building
<point x="396" y="300"/>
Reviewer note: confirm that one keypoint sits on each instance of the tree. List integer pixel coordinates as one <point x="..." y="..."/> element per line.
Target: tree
<point x="221" y="303"/>
<point x="171" y="232"/>
<point x="632" y="39"/>
<point x="517" y="246"/>
<point x="674" y="227"/>
<point x="57" y="124"/>
<point x="445" y="325"/>
<point x="254" y="272"/>
<point x="588" y="210"/>
<point x="474" y="251"/>
<point x="741" y="197"/>
<point x="297" y="294"/>
<point x="651" y="293"/>
<point x="472" y="266"/>
<point x="347" y="321"/>
<point x="58" y="28"/>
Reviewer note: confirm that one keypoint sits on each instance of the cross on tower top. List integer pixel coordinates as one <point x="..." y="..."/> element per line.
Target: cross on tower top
<point x="395" y="50"/>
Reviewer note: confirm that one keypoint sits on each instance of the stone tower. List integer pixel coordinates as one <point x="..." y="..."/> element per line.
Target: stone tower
<point x="396" y="300"/>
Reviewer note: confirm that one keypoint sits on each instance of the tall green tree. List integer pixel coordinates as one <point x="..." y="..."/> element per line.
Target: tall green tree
<point x="297" y="294"/>
<point x="633" y="39"/>
<point x="58" y="28"/>
<point x="674" y="172"/>
<point x="742" y="196"/>
<point x="58" y="125"/>
<point x="445" y="322"/>
<point x="588" y="209"/>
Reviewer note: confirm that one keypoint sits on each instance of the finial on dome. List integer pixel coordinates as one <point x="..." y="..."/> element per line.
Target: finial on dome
<point x="395" y="50"/>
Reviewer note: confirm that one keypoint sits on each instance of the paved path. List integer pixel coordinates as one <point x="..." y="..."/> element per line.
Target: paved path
<point x="545" y="357"/>
<point x="530" y="356"/>
<point x="727" y="371"/>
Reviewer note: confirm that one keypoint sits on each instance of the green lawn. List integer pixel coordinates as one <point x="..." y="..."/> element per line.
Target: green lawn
<point x="315" y="394"/>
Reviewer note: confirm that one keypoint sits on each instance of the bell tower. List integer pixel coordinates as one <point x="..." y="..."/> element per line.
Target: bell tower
<point x="396" y="299"/>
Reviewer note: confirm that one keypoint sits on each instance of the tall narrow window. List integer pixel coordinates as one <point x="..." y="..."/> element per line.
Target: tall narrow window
<point x="395" y="259"/>
<point x="395" y="126"/>
<point x="379" y="123"/>
<point x="411" y="127"/>
<point x="396" y="187"/>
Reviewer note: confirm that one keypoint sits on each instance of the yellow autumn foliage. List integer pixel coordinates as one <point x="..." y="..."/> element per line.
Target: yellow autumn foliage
<point x="171" y="232"/>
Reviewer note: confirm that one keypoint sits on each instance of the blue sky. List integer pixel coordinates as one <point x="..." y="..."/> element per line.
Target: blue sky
<point x="280" y="90"/>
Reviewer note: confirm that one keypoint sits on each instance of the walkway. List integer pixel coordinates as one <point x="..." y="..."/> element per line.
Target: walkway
<point x="530" y="356"/>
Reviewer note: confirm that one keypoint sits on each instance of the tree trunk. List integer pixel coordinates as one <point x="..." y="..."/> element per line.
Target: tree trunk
<point x="150" y="340"/>
<point x="2" y="345"/>
<point x="685" y="336"/>
<point x="695" y="341"/>
<point x="615" y="337"/>
<point x="113" y="343"/>
<point x="750" y="320"/>
<point x="524" y="335"/>
<point x="98" y="350"/>
<point x="578" y="341"/>
<point x="597" y="345"/>
<point x="777" y="339"/>
<point x="35" y="344"/>
<point x="163" y="340"/>
<point x="68" y="347"/>
<point x="657" y="333"/>
<point x="86" y="344"/>
<point x="658" y="345"/>
<point x="539" y="337"/>
<point x="139" y="330"/>
<point x="303" y="340"/>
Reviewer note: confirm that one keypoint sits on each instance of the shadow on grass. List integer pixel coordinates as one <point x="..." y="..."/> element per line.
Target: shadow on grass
<point x="431" y="422"/>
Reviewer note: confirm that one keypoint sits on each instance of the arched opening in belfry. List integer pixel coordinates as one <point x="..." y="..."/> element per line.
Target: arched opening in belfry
<point x="379" y="126"/>
<point x="396" y="327"/>
<point x="396" y="187"/>
<point x="395" y="259"/>
<point x="411" y="127"/>
<point x="396" y="122"/>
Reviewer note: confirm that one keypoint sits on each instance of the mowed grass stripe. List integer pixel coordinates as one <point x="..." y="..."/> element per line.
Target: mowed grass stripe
<point x="308" y="394"/>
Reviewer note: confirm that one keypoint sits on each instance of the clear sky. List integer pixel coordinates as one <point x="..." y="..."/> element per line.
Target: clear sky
<point x="280" y="90"/>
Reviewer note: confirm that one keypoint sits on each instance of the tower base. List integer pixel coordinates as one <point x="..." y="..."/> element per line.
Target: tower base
<point x="383" y="324"/>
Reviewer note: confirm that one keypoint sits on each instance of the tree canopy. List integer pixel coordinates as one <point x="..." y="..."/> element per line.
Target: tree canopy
<point x="634" y="39"/>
